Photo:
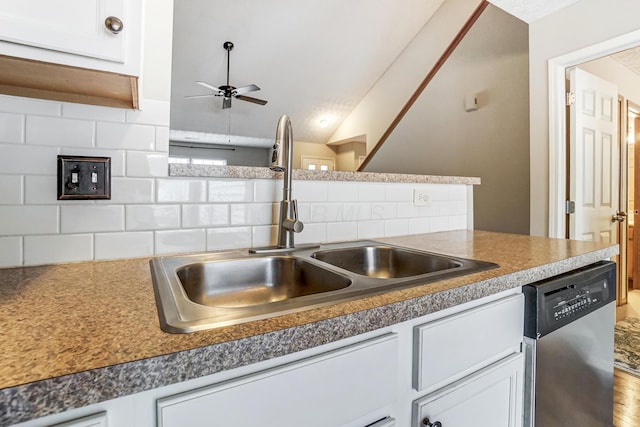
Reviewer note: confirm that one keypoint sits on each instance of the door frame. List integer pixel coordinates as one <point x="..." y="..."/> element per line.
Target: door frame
<point x="558" y="120"/>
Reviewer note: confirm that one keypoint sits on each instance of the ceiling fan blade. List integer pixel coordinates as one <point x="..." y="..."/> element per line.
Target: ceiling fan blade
<point x="250" y="99"/>
<point x="245" y="89"/>
<point x="208" y="86"/>
<point x="226" y="103"/>
<point x="201" y="96"/>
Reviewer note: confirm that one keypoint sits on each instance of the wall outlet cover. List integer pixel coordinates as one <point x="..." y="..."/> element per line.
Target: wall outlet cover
<point x="84" y="178"/>
<point x="421" y="198"/>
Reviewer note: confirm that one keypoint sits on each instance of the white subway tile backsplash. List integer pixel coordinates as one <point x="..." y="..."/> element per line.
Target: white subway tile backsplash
<point x="27" y="220"/>
<point x="91" y="218"/>
<point x="370" y="229"/>
<point x="151" y="112"/>
<point x="58" y="249"/>
<point x="440" y="223"/>
<point x="304" y="212"/>
<point x="41" y="190"/>
<point x="224" y="238"/>
<point x="310" y="191"/>
<point x="384" y="210"/>
<point x="15" y="104"/>
<point x="117" y="157"/>
<point x="145" y="164"/>
<point x="204" y="215"/>
<point x="162" y="139"/>
<point x="341" y="231"/>
<point x="327" y="212"/>
<point x="123" y="245"/>
<point x="268" y="190"/>
<point x="457" y="222"/>
<point x="11" y="189"/>
<point x="419" y="225"/>
<point x="356" y="211"/>
<point x="265" y="235"/>
<point x="180" y="241"/>
<point x="10" y="251"/>
<point x="396" y="227"/>
<point x="221" y="190"/>
<point x="407" y="210"/>
<point x="371" y="192"/>
<point x="253" y="213"/>
<point x="181" y="190"/>
<point x="125" y="136"/>
<point x="150" y="213"/>
<point x="54" y="131"/>
<point x="399" y="192"/>
<point x="131" y="190"/>
<point x="342" y="191"/>
<point x="312" y="233"/>
<point x="92" y="112"/>
<point x="11" y="128"/>
<point x="24" y="159"/>
<point x="152" y="217"/>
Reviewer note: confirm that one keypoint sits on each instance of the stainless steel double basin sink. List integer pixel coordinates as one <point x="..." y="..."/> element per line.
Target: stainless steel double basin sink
<point x="205" y="291"/>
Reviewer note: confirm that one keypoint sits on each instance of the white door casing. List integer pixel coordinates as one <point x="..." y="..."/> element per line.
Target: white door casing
<point x="594" y="158"/>
<point x="558" y="120"/>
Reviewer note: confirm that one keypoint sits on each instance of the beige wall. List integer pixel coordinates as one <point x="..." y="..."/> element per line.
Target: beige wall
<point x="301" y="148"/>
<point x="580" y="25"/>
<point x="439" y="137"/>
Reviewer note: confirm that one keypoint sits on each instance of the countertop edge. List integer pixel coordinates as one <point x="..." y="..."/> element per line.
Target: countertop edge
<point x="27" y="401"/>
<point x="248" y="172"/>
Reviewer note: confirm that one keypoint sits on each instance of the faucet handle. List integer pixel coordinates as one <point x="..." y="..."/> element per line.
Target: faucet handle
<point x="293" y="224"/>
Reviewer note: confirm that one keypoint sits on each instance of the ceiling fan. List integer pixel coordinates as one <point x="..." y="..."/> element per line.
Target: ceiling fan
<point x="227" y="91"/>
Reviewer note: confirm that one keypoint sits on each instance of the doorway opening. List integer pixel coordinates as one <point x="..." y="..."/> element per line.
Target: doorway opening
<point x="558" y="153"/>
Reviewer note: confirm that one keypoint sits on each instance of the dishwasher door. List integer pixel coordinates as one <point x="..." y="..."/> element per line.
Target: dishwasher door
<point x="570" y="378"/>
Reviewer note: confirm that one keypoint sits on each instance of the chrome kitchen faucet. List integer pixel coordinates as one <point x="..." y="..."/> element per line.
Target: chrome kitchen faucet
<point x="281" y="161"/>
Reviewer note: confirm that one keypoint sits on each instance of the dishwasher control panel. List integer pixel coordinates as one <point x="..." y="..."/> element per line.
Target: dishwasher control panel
<point x="555" y="302"/>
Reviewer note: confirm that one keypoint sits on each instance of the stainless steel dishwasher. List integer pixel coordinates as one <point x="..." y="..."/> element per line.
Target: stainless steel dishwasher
<point x="569" y="322"/>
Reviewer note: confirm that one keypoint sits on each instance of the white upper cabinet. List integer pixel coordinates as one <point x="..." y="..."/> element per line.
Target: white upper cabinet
<point x="96" y="34"/>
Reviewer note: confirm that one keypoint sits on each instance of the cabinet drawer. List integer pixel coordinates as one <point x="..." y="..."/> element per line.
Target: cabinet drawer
<point x="96" y="420"/>
<point x="489" y="398"/>
<point x="449" y="348"/>
<point x="331" y="389"/>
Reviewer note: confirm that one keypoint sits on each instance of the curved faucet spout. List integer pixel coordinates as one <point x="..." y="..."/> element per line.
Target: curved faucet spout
<point x="282" y="156"/>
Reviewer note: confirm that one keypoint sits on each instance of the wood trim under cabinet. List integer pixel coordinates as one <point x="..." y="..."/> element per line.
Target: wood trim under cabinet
<point x="44" y="80"/>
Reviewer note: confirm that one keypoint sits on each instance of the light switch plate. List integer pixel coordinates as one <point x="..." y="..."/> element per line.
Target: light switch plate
<point x="84" y="178"/>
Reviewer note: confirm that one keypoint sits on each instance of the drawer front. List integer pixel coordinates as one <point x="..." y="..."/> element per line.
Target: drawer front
<point x="327" y="390"/>
<point x="96" y="420"/>
<point x="449" y="348"/>
<point x="491" y="397"/>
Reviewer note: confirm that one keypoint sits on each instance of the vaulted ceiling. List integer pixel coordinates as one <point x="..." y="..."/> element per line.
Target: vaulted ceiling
<point x="312" y="60"/>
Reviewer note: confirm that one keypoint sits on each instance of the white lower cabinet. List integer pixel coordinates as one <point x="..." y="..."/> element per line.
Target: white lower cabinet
<point x="332" y="389"/>
<point x="491" y="397"/>
<point x="461" y="367"/>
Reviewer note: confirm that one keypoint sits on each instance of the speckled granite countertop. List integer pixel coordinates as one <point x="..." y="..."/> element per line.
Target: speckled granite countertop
<point x="76" y="334"/>
<point x="249" y="172"/>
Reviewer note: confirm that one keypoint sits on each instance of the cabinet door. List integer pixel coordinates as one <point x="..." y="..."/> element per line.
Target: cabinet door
<point x="331" y="389"/>
<point x="71" y="26"/>
<point x="489" y="398"/>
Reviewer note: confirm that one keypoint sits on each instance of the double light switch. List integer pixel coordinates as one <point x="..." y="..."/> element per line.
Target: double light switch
<point x="81" y="177"/>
